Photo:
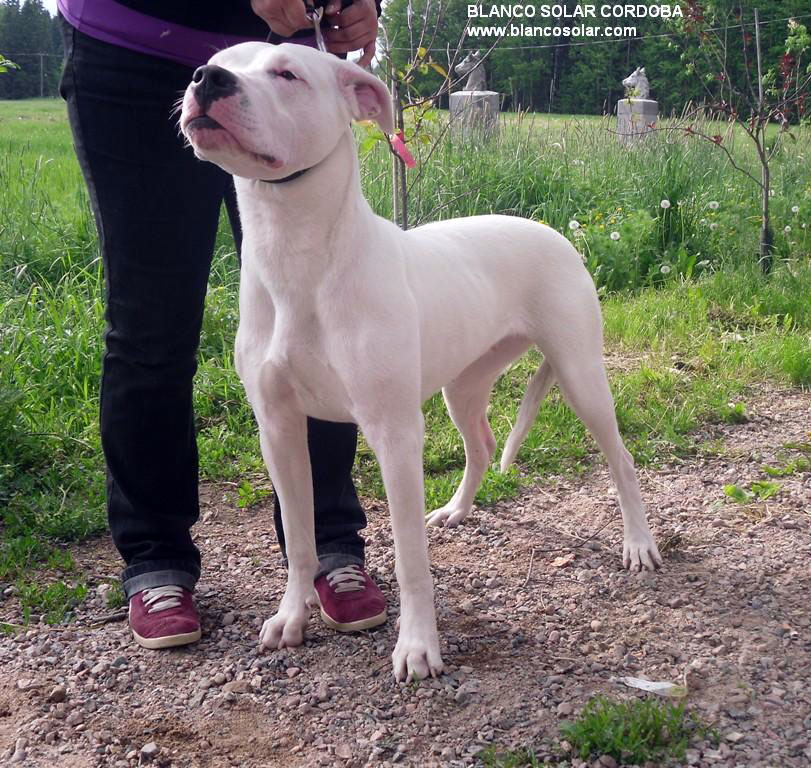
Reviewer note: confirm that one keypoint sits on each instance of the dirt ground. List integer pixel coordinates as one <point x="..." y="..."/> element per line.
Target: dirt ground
<point x="535" y="618"/>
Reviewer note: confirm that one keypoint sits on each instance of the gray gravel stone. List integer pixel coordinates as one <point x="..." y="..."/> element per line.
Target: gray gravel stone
<point x="58" y="693"/>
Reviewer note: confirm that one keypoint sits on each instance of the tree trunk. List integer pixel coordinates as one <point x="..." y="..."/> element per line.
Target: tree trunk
<point x="766" y="234"/>
<point x="399" y="188"/>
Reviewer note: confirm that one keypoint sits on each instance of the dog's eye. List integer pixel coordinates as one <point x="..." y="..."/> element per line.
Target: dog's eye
<point x="286" y="74"/>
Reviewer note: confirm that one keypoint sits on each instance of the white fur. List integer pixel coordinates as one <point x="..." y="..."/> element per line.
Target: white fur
<point x="345" y="317"/>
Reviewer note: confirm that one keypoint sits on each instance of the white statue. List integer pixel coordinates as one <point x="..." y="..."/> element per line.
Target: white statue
<point x="473" y="66"/>
<point x="637" y="85"/>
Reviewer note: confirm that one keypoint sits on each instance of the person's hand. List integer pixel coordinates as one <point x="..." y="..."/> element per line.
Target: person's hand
<point x="284" y="17"/>
<point x="352" y="28"/>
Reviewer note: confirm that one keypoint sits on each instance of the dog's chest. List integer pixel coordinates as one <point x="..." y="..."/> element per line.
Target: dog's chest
<point x="298" y="360"/>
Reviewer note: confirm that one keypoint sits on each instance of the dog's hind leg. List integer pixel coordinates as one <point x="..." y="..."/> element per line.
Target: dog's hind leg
<point x="467" y="398"/>
<point x="584" y="384"/>
<point x="539" y="385"/>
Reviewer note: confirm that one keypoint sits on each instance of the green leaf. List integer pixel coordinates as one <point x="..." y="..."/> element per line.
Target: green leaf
<point x="737" y="494"/>
<point x="437" y="68"/>
<point x="765" y="489"/>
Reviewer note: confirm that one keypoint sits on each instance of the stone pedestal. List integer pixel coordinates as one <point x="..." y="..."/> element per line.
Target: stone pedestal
<point x="635" y="119"/>
<point x="474" y="112"/>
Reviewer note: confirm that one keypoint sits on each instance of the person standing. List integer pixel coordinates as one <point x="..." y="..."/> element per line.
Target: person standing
<point x="157" y="211"/>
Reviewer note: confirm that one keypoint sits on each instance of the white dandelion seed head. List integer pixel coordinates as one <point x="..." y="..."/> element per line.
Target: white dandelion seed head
<point x="703" y="222"/>
<point x="665" y="204"/>
<point x="713" y="205"/>
<point x="787" y="229"/>
<point x="714" y="225"/>
<point x="665" y="269"/>
<point x="795" y="208"/>
<point x="615" y="235"/>
<point x="703" y="263"/>
<point x="574" y="225"/>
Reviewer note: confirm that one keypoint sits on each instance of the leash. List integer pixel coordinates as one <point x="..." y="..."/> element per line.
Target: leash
<point x="315" y="14"/>
<point x="314" y="10"/>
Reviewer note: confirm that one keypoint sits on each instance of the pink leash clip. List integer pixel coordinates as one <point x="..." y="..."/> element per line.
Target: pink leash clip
<point x="399" y="146"/>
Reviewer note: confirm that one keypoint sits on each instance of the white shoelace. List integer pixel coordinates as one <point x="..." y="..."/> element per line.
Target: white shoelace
<point x="349" y="578"/>
<point x="161" y="598"/>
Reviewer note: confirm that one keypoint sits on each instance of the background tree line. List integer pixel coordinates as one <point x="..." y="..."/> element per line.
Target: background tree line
<point x="542" y="74"/>
<point x="583" y="75"/>
<point x="27" y="30"/>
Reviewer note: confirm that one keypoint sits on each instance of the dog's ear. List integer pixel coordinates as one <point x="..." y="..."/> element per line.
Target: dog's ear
<point x="367" y="97"/>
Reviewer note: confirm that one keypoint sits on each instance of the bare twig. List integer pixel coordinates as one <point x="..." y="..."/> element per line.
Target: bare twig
<point x="529" y="570"/>
<point x="582" y="544"/>
<point x="110" y="618"/>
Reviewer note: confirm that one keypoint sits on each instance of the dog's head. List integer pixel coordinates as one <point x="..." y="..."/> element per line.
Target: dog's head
<point x="266" y="111"/>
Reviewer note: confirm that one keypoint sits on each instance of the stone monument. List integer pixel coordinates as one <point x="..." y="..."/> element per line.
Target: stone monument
<point x="474" y="109"/>
<point x="637" y="113"/>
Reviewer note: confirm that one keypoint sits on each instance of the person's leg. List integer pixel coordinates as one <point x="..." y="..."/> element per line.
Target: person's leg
<point x="157" y="210"/>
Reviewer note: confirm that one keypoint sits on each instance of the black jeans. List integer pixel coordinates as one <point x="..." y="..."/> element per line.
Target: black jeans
<point x="157" y="210"/>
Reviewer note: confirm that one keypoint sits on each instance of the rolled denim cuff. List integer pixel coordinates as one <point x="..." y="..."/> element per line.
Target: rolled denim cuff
<point x="134" y="583"/>
<point x="330" y="561"/>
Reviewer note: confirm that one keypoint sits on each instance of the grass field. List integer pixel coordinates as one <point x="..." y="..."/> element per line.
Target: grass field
<point x="689" y="320"/>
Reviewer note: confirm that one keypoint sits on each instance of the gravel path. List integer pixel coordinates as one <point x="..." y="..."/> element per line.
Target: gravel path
<point x="529" y="633"/>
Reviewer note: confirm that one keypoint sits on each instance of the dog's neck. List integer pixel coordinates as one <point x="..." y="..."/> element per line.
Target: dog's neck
<point x="296" y="232"/>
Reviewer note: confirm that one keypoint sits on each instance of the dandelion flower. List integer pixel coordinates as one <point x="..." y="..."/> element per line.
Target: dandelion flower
<point x="665" y="204"/>
<point x="786" y="229"/>
<point x="713" y="205"/>
<point x="615" y="235"/>
<point x="574" y="225"/>
<point x="714" y="225"/>
<point x="664" y="269"/>
<point x="795" y="208"/>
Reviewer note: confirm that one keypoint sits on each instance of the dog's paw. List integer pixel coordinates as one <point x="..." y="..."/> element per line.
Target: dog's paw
<point x="417" y="658"/>
<point x="641" y="553"/>
<point x="285" y="629"/>
<point x="450" y="515"/>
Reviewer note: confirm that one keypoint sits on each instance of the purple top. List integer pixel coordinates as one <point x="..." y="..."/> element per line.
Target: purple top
<point x="116" y="24"/>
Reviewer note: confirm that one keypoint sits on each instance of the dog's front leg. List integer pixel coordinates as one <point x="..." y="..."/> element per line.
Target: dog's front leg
<point x="397" y="443"/>
<point x="283" y="437"/>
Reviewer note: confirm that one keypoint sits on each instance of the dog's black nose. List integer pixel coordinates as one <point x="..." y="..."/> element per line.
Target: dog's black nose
<point x="212" y="83"/>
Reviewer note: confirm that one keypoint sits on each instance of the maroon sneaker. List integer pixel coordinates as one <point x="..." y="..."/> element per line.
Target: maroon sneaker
<point x="350" y="600"/>
<point x="162" y="617"/>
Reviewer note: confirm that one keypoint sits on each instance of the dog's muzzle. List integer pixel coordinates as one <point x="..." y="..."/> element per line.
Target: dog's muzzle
<point x="211" y="83"/>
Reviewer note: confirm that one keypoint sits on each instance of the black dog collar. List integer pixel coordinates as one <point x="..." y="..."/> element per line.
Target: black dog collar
<point x="286" y="178"/>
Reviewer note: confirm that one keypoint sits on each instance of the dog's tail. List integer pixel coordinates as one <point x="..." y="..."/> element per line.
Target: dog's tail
<point x="539" y="385"/>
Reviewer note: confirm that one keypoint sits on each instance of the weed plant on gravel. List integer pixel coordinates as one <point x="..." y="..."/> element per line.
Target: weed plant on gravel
<point x="689" y="321"/>
<point x="633" y="732"/>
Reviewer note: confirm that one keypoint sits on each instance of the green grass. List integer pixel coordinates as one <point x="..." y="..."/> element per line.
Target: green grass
<point x="492" y="757"/>
<point x="53" y="601"/>
<point x="684" y="343"/>
<point x="633" y="732"/>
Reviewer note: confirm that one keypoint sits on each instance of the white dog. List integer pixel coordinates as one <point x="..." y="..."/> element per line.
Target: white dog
<point x="345" y="317"/>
